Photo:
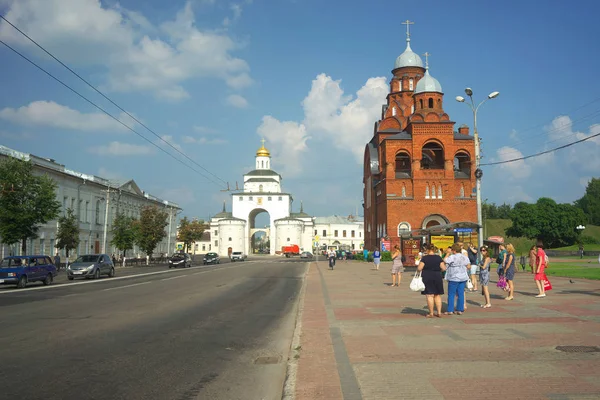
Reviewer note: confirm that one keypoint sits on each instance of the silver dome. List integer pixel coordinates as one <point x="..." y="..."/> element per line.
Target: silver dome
<point x="428" y="84"/>
<point x="408" y="58"/>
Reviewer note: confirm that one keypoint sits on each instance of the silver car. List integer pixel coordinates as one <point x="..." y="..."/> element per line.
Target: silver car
<point x="91" y="266"/>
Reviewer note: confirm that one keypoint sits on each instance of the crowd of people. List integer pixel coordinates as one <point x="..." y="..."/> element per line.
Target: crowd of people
<point x="466" y="268"/>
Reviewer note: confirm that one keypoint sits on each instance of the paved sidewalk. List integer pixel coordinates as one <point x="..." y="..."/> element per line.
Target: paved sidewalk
<point x="363" y="339"/>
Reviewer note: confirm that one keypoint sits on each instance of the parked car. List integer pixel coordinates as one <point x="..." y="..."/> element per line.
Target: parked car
<point x="91" y="266"/>
<point x="20" y="270"/>
<point x="237" y="256"/>
<point x="306" y="254"/>
<point x="211" y="258"/>
<point x="180" y="260"/>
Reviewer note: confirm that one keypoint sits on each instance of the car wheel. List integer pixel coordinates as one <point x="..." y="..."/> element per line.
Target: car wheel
<point x="97" y="274"/>
<point x="48" y="280"/>
<point x="70" y="278"/>
<point x="22" y="282"/>
<point x="111" y="274"/>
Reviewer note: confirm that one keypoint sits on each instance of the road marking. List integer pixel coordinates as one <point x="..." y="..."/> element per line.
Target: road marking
<point x="118" y="278"/>
<point x="173" y="277"/>
<point x="127" y="286"/>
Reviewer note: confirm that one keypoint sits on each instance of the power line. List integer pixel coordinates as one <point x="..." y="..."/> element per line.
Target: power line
<point x="106" y="97"/>
<point x="542" y="153"/>
<point x="106" y="112"/>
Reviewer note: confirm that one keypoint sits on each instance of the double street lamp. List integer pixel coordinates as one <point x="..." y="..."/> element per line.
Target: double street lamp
<point x="478" y="172"/>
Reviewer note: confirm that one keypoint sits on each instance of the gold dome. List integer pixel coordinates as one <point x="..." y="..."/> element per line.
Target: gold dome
<point x="263" y="152"/>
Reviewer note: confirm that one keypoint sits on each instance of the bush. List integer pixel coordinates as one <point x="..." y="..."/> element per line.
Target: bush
<point x="386" y="256"/>
<point x="585" y="239"/>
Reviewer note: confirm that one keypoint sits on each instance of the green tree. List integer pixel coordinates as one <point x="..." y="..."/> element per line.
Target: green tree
<point x="151" y="228"/>
<point x="67" y="236"/>
<point x="590" y="202"/>
<point x="554" y="224"/>
<point x="26" y="201"/>
<point x="124" y="232"/>
<point x="190" y="232"/>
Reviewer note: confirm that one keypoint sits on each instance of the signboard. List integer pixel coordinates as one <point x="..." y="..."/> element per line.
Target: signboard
<point x="442" y="242"/>
<point x="179" y="246"/>
<point x="410" y="249"/>
<point x="498" y="239"/>
<point x="463" y="229"/>
<point x="317" y="237"/>
<point x="385" y="245"/>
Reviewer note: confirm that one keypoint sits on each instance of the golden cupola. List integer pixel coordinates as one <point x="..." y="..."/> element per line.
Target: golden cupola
<point x="263" y="152"/>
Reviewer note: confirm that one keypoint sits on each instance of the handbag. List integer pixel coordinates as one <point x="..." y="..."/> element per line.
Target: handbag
<point x="469" y="284"/>
<point x="501" y="282"/>
<point x="546" y="283"/>
<point x="417" y="285"/>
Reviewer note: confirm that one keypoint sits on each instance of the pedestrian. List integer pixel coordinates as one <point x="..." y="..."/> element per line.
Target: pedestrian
<point x="457" y="275"/>
<point x="365" y="254"/>
<point x="332" y="258"/>
<point x="484" y="275"/>
<point x="376" y="258"/>
<point x="472" y="255"/>
<point x="581" y="251"/>
<point x="431" y="268"/>
<point x="510" y="270"/>
<point x="57" y="261"/>
<point x="397" y="266"/>
<point x="501" y="260"/>
<point x="533" y="259"/>
<point x="540" y="275"/>
<point x="114" y="259"/>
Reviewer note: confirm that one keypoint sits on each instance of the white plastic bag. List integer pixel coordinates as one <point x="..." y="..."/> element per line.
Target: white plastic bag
<point x="469" y="285"/>
<point x="417" y="285"/>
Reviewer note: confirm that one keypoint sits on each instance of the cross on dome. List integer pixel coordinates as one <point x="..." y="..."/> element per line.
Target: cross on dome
<point x="426" y="54"/>
<point x="263" y="152"/>
<point x="408" y="58"/>
<point x="408" y="24"/>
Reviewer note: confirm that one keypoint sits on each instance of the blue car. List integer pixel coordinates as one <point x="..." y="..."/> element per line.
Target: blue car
<point x="20" y="270"/>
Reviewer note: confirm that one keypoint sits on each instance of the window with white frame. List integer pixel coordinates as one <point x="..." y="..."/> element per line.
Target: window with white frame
<point x="439" y="191"/>
<point x="427" y="191"/>
<point x="403" y="228"/>
<point x="411" y="84"/>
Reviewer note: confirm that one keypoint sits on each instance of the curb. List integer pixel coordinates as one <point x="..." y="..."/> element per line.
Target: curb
<point x="289" y="385"/>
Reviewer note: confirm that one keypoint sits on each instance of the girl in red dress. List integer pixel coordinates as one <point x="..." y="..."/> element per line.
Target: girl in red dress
<point x="539" y="270"/>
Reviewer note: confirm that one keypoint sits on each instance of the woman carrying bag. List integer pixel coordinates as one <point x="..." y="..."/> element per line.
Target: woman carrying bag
<point x="431" y="268"/>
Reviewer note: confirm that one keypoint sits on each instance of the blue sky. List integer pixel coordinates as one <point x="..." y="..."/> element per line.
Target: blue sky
<point x="213" y="77"/>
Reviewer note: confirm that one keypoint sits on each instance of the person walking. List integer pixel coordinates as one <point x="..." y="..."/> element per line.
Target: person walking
<point x="457" y="275"/>
<point x="397" y="266"/>
<point x="510" y="270"/>
<point x="484" y="275"/>
<point x="57" y="261"/>
<point x="376" y="259"/>
<point x="365" y="255"/>
<point x="539" y="271"/>
<point x="501" y="260"/>
<point x="431" y="268"/>
<point x="533" y="259"/>
<point x="331" y="257"/>
<point x="472" y="255"/>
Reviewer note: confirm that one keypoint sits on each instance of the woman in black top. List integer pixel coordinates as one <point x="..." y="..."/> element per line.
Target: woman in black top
<point x="431" y="267"/>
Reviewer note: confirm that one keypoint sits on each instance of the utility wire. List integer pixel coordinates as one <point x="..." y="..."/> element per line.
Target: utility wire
<point x="543" y="152"/>
<point x="106" y="97"/>
<point x="107" y="113"/>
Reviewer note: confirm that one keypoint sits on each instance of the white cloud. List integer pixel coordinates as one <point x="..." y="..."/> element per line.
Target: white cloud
<point x="203" y="140"/>
<point x="513" y="135"/>
<point x="88" y="33"/>
<point x="237" y="101"/>
<point x="169" y="139"/>
<point x="111" y="175"/>
<point x="286" y="142"/>
<point x="119" y="149"/>
<point x="204" y="130"/>
<point x="513" y="170"/>
<point x="54" y="115"/>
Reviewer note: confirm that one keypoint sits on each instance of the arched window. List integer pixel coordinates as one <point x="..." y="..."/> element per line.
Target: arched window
<point x="427" y="191"/>
<point x="430" y="102"/>
<point x="403" y="229"/>
<point x="462" y="165"/>
<point x="433" y="191"/>
<point x="262" y="164"/>
<point x="421" y="103"/>
<point x="267" y="164"/>
<point x="394" y="111"/>
<point x="97" y="211"/>
<point x="462" y="190"/>
<point x="412" y="109"/>
<point x="260" y="188"/>
<point x="403" y="169"/>
<point x="411" y="83"/>
<point x="403" y="190"/>
<point x="432" y="156"/>
<point x="439" y="191"/>
<point x="399" y="85"/>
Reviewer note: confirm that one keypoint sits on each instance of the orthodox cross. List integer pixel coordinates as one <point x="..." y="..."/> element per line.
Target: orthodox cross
<point x="408" y="24"/>
<point x="263" y="142"/>
<point x="426" y="54"/>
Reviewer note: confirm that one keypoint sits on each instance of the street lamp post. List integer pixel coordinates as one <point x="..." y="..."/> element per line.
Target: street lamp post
<point x="478" y="172"/>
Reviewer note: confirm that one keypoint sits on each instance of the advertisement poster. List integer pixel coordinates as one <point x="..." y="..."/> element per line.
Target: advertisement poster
<point x="410" y="250"/>
<point x="442" y="242"/>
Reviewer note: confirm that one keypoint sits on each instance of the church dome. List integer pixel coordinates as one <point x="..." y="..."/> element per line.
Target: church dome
<point x="408" y="59"/>
<point x="263" y="152"/>
<point x="428" y="84"/>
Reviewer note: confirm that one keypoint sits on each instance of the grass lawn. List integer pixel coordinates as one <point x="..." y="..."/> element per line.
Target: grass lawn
<point x="574" y="271"/>
<point x="575" y="247"/>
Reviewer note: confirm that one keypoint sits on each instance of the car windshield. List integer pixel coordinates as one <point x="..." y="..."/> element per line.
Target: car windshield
<point x="211" y="255"/>
<point x="237" y="253"/>
<point x="13" y="262"/>
<point x="90" y="258"/>
<point x="177" y="255"/>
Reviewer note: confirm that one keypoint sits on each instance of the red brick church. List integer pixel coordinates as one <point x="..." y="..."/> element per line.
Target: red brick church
<point x="418" y="171"/>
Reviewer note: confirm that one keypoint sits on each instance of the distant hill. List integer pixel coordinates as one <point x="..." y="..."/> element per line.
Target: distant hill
<point x="496" y="227"/>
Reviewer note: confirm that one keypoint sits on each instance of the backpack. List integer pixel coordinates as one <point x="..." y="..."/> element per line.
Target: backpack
<point x="403" y="259"/>
<point x="499" y="259"/>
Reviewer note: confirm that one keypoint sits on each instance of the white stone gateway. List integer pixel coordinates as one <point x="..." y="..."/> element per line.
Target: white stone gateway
<point x="233" y="231"/>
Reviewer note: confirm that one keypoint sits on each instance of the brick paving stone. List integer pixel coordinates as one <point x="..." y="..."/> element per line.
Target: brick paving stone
<point x="507" y="351"/>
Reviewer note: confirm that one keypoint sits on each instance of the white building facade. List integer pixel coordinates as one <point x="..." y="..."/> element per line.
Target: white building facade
<point x="338" y="232"/>
<point x="234" y="231"/>
<point x="96" y="202"/>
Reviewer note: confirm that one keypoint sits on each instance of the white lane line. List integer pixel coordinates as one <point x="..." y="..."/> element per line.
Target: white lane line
<point x="118" y="278"/>
<point x="174" y="277"/>
<point x="127" y="286"/>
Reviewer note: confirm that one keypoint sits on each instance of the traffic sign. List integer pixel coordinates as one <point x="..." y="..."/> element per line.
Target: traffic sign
<point x="317" y="237"/>
<point x="463" y="229"/>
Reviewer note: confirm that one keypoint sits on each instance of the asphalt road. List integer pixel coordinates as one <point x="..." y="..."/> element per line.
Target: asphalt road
<point x="219" y="332"/>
